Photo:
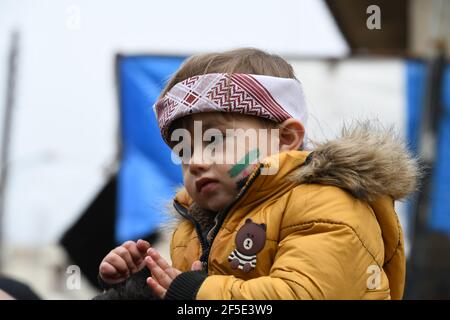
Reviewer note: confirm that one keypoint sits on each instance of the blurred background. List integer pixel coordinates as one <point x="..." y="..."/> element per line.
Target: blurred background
<point x="83" y="167"/>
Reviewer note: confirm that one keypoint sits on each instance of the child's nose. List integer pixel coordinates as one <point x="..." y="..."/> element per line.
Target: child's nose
<point x="198" y="164"/>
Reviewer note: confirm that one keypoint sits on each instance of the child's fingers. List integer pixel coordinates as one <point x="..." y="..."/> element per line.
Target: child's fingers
<point x="156" y="287"/>
<point x="132" y="248"/>
<point x="107" y="270"/>
<point x="126" y="255"/>
<point x="172" y="272"/>
<point x="163" y="264"/>
<point x="109" y="273"/>
<point x="143" y="246"/>
<point x="158" y="274"/>
<point x="160" y="261"/>
<point x="196" y="266"/>
<point x="118" y="262"/>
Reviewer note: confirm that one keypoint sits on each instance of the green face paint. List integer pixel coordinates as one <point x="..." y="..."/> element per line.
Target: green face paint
<point x="250" y="157"/>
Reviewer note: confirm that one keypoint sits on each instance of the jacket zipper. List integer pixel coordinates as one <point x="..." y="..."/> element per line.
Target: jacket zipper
<point x="183" y="212"/>
<point x="206" y="245"/>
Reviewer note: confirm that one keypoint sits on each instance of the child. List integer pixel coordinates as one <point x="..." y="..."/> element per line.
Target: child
<point x="275" y="221"/>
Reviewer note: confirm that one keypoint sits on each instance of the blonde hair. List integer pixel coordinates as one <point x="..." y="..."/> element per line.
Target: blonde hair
<point x="243" y="60"/>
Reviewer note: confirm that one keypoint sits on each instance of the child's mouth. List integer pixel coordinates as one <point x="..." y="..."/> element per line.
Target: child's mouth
<point x="206" y="185"/>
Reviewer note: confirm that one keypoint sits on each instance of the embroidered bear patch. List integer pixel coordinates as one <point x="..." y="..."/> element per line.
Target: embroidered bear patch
<point x="250" y="240"/>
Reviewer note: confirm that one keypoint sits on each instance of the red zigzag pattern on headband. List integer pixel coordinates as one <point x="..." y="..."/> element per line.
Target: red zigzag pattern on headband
<point x="240" y="93"/>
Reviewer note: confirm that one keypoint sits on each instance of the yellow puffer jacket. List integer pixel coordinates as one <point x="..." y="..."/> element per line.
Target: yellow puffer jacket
<point x="323" y="227"/>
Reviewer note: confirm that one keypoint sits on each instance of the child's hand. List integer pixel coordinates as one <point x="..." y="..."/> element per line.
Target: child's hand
<point x="162" y="273"/>
<point x="123" y="261"/>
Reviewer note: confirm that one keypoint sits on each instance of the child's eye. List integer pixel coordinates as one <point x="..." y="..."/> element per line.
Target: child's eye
<point x="217" y="139"/>
<point x="182" y="153"/>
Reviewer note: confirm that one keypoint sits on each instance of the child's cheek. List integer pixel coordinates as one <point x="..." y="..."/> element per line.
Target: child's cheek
<point x="241" y="178"/>
<point x="188" y="182"/>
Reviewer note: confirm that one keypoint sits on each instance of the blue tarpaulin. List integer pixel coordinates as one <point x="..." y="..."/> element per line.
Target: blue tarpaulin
<point x="147" y="177"/>
<point x="440" y="197"/>
<point x="440" y="188"/>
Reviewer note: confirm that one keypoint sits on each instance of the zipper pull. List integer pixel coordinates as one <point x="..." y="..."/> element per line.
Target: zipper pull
<point x="205" y="266"/>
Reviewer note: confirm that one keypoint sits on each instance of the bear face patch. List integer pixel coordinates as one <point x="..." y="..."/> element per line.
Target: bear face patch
<point x="250" y="240"/>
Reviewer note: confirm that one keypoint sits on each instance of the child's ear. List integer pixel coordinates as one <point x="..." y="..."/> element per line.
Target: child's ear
<point x="291" y="133"/>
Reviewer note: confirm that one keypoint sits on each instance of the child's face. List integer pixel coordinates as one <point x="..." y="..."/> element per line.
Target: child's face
<point x="215" y="171"/>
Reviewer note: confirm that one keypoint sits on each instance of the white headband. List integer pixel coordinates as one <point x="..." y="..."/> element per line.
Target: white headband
<point x="272" y="98"/>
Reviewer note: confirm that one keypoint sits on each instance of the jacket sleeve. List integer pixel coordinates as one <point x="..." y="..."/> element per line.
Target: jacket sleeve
<point x="316" y="259"/>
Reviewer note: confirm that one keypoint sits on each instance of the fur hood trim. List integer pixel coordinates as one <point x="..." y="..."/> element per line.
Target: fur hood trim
<point x="367" y="160"/>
